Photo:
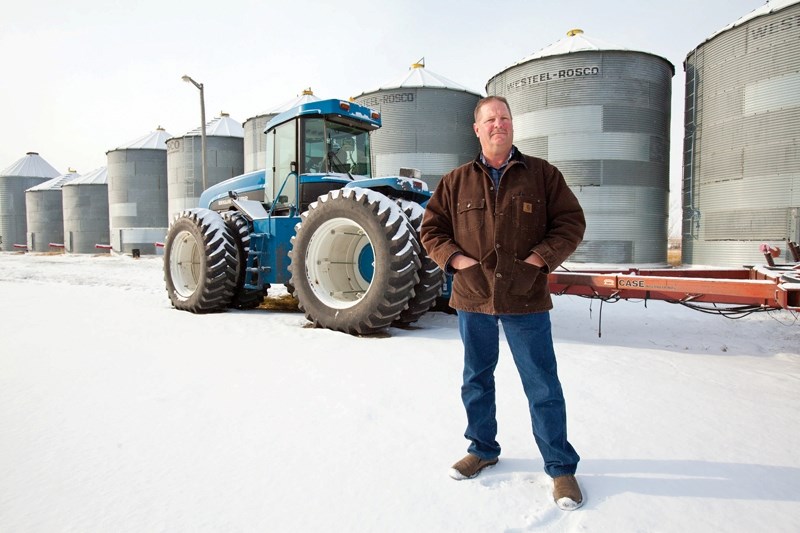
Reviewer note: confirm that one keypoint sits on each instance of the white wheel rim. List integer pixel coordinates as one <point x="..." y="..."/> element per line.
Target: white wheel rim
<point x="185" y="264"/>
<point x="334" y="274"/>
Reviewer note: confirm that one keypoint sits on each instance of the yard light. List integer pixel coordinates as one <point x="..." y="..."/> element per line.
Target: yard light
<point x="202" y="126"/>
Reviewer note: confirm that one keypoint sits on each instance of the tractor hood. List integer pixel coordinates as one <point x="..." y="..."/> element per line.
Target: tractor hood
<point x="252" y="182"/>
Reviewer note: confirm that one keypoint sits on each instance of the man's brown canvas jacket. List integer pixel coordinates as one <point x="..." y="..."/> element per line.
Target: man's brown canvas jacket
<point x="533" y="210"/>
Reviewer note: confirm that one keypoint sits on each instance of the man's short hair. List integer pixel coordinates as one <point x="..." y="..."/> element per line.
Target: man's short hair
<point x="483" y="101"/>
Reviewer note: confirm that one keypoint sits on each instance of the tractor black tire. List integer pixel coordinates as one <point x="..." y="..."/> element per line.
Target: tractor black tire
<point x="338" y="285"/>
<point x="413" y="211"/>
<point x="200" y="262"/>
<point x="431" y="277"/>
<point x="240" y="230"/>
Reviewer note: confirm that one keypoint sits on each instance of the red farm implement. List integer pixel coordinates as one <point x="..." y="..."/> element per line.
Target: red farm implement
<point x="733" y="291"/>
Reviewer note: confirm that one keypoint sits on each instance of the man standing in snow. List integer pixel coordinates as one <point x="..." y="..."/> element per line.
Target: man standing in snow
<point x="499" y="224"/>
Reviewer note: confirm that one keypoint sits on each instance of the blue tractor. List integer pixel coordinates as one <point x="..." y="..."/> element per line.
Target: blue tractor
<point x="346" y="245"/>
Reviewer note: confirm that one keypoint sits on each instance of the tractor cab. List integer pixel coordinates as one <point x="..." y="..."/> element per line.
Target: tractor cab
<point x="328" y="147"/>
<point x="312" y="149"/>
<point x="315" y="148"/>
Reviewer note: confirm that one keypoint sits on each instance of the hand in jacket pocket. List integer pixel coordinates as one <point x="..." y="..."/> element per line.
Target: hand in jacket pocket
<point x="523" y="278"/>
<point x="471" y="281"/>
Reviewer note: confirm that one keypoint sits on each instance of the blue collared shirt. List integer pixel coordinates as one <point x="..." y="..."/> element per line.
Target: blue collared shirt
<point x="497" y="172"/>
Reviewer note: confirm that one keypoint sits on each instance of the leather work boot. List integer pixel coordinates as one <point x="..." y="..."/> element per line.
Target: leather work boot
<point x="567" y="493"/>
<point x="470" y="466"/>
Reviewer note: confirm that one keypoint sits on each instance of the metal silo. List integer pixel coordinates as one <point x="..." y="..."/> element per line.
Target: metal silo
<point x="225" y="159"/>
<point x="427" y="124"/>
<point x="45" y="213"/>
<point x="137" y="193"/>
<point x="25" y="173"/>
<point x="741" y="161"/>
<point x="86" y="212"/>
<point x="255" y="142"/>
<point x="601" y="114"/>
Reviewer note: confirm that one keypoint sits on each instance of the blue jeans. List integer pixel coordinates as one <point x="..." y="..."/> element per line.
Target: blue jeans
<point x="531" y="342"/>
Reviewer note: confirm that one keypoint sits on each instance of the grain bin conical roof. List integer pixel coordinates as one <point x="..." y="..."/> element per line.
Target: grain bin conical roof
<point x="31" y="165"/>
<point x="155" y="140"/>
<point x="98" y="176"/>
<point x="769" y="7"/>
<point x="54" y="184"/>
<point x="222" y="126"/>
<point x="577" y="41"/>
<point x="418" y="76"/>
<point x="304" y="98"/>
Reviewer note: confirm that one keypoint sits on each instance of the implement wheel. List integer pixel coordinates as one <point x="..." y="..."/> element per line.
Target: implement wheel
<point x="200" y="263"/>
<point x="353" y="261"/>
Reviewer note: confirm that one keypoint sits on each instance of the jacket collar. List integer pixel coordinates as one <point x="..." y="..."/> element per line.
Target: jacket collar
<point x="515" y="156"/>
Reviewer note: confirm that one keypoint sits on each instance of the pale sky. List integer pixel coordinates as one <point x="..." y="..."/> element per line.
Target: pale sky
<point x="83" y="77"/>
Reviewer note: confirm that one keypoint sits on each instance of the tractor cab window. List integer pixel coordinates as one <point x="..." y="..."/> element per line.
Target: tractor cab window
<point x="327" y="146"/>
<point x="281" y="162"/>
<point x="347" y="149"/>
<point x="312" y="145"/>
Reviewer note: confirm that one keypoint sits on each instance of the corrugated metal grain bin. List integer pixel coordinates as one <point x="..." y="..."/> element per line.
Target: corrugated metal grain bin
<point x="45" y="213"/>
<point x="225" y="159"/>
<point x="600" y="113"/>
<point x="15" y="179"/>
<point x="137" y="193"/>
<point x="255" y="142"/>
<point x="86" y="221"/>
<point x="741" y="162"/>
<point x="426" y="124"/>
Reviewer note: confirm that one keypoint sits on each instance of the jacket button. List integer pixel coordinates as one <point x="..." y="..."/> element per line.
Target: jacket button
<point x="497" y="246"/>
<point x="498" y="275"/>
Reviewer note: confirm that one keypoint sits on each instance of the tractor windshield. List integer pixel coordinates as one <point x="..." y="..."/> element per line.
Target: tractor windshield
<point x="333" y="147"/>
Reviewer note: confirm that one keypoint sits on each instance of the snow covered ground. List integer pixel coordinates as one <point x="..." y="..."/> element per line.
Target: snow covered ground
<point x="118" y="413"/>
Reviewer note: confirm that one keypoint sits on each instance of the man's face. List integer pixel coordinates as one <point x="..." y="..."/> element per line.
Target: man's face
<point x="494" y="128"/>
